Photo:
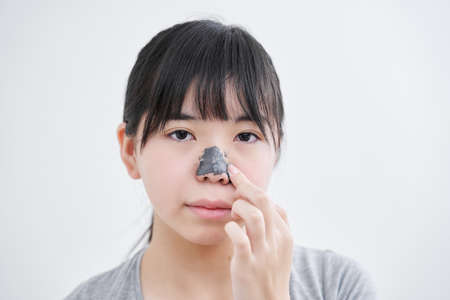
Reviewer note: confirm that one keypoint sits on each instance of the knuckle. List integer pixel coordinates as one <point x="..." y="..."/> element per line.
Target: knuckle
<point x="237" y="204"/>
<point x="266" y="248"/>
<point x="260" y="195"/>
<point x="239" y="191"/>
<point x="282" y="210"/>
<point x="288" y="238"/>
<point x="242" y="246"/>
<point x="255" y="216"/>
<point x="234" y="205"/>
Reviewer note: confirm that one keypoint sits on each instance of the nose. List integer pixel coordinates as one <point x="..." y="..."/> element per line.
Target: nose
<point x="213" y="166"/>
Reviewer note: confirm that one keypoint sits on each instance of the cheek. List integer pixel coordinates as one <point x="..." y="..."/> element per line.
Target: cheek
<point x="161" y="172"/>
<point x="257" y="167"/>
<point x="258" y="173"/>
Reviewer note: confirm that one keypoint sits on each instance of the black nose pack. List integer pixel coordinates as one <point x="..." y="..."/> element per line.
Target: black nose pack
<point x="213" y="162"/>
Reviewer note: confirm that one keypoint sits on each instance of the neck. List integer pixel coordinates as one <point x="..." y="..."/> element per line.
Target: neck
<point x="186" y="264"/>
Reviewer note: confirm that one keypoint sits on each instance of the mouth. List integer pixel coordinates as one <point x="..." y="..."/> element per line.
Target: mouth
<point x="210" y="213"/>
<point x="207" y="204"/>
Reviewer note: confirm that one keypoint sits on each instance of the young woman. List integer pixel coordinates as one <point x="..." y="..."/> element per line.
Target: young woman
<point x="202" y="127"/>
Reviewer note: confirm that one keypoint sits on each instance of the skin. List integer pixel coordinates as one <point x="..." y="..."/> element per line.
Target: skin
<point x="193" y="258"/>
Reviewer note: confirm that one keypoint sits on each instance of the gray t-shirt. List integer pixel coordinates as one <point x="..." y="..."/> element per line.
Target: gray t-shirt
<point x="315" y="274"/>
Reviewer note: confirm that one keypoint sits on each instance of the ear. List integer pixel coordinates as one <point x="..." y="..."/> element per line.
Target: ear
<point x="127" y="152"/>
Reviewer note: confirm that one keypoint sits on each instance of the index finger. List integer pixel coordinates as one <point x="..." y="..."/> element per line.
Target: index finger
<point x="254" y="194"/>
<point x="242" y="183"/>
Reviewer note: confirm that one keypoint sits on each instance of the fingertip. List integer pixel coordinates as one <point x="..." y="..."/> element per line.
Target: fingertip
<point x="228" y="228"/>
<point x="233" y="169"/>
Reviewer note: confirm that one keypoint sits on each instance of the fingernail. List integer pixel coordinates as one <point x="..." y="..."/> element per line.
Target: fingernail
<point x="233" y="169"/>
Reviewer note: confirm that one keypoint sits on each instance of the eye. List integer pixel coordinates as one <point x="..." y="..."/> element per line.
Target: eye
<point x="248" y="137"/>
<point x="179" y="135"/>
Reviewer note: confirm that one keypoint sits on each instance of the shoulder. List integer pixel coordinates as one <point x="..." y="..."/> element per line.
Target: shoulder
<point x="116" y="283"/>
<point x="326" y="274"/>
<point x="93" y="287"/>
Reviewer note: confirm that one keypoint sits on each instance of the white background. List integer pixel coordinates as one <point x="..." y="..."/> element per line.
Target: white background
<point x="365" y="169"/>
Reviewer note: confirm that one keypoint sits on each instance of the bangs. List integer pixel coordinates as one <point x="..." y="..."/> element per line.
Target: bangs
<point x="209" y="58"/>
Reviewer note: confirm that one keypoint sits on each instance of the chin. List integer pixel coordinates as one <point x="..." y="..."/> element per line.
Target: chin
<point x="207" y="237"/>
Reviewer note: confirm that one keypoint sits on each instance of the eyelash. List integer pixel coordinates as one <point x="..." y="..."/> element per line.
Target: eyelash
<point x="180" y="130"/>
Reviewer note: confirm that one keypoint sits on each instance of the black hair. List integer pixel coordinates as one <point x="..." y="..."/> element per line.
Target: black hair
<point x="211" y="57"/>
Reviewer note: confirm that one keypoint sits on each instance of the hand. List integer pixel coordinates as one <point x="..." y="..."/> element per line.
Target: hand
<point x="262" y="254"/>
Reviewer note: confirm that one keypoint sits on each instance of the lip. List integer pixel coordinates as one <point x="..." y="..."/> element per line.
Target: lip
<point x="212" y="210"/>
<point x="210" y="213"/>
<point x="210" y="204"/>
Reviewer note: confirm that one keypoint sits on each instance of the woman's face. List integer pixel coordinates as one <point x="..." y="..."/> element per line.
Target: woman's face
<point x="169" y="161"/>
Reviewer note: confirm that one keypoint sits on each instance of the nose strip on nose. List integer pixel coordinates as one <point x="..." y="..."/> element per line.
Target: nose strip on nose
<point x="213" y="165"/>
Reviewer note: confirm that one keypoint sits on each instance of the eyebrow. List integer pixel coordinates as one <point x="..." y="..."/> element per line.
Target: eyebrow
<point x="186" y="117"/>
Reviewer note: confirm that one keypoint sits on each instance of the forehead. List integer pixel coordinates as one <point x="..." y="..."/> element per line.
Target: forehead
<point x="233" y="106"/>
